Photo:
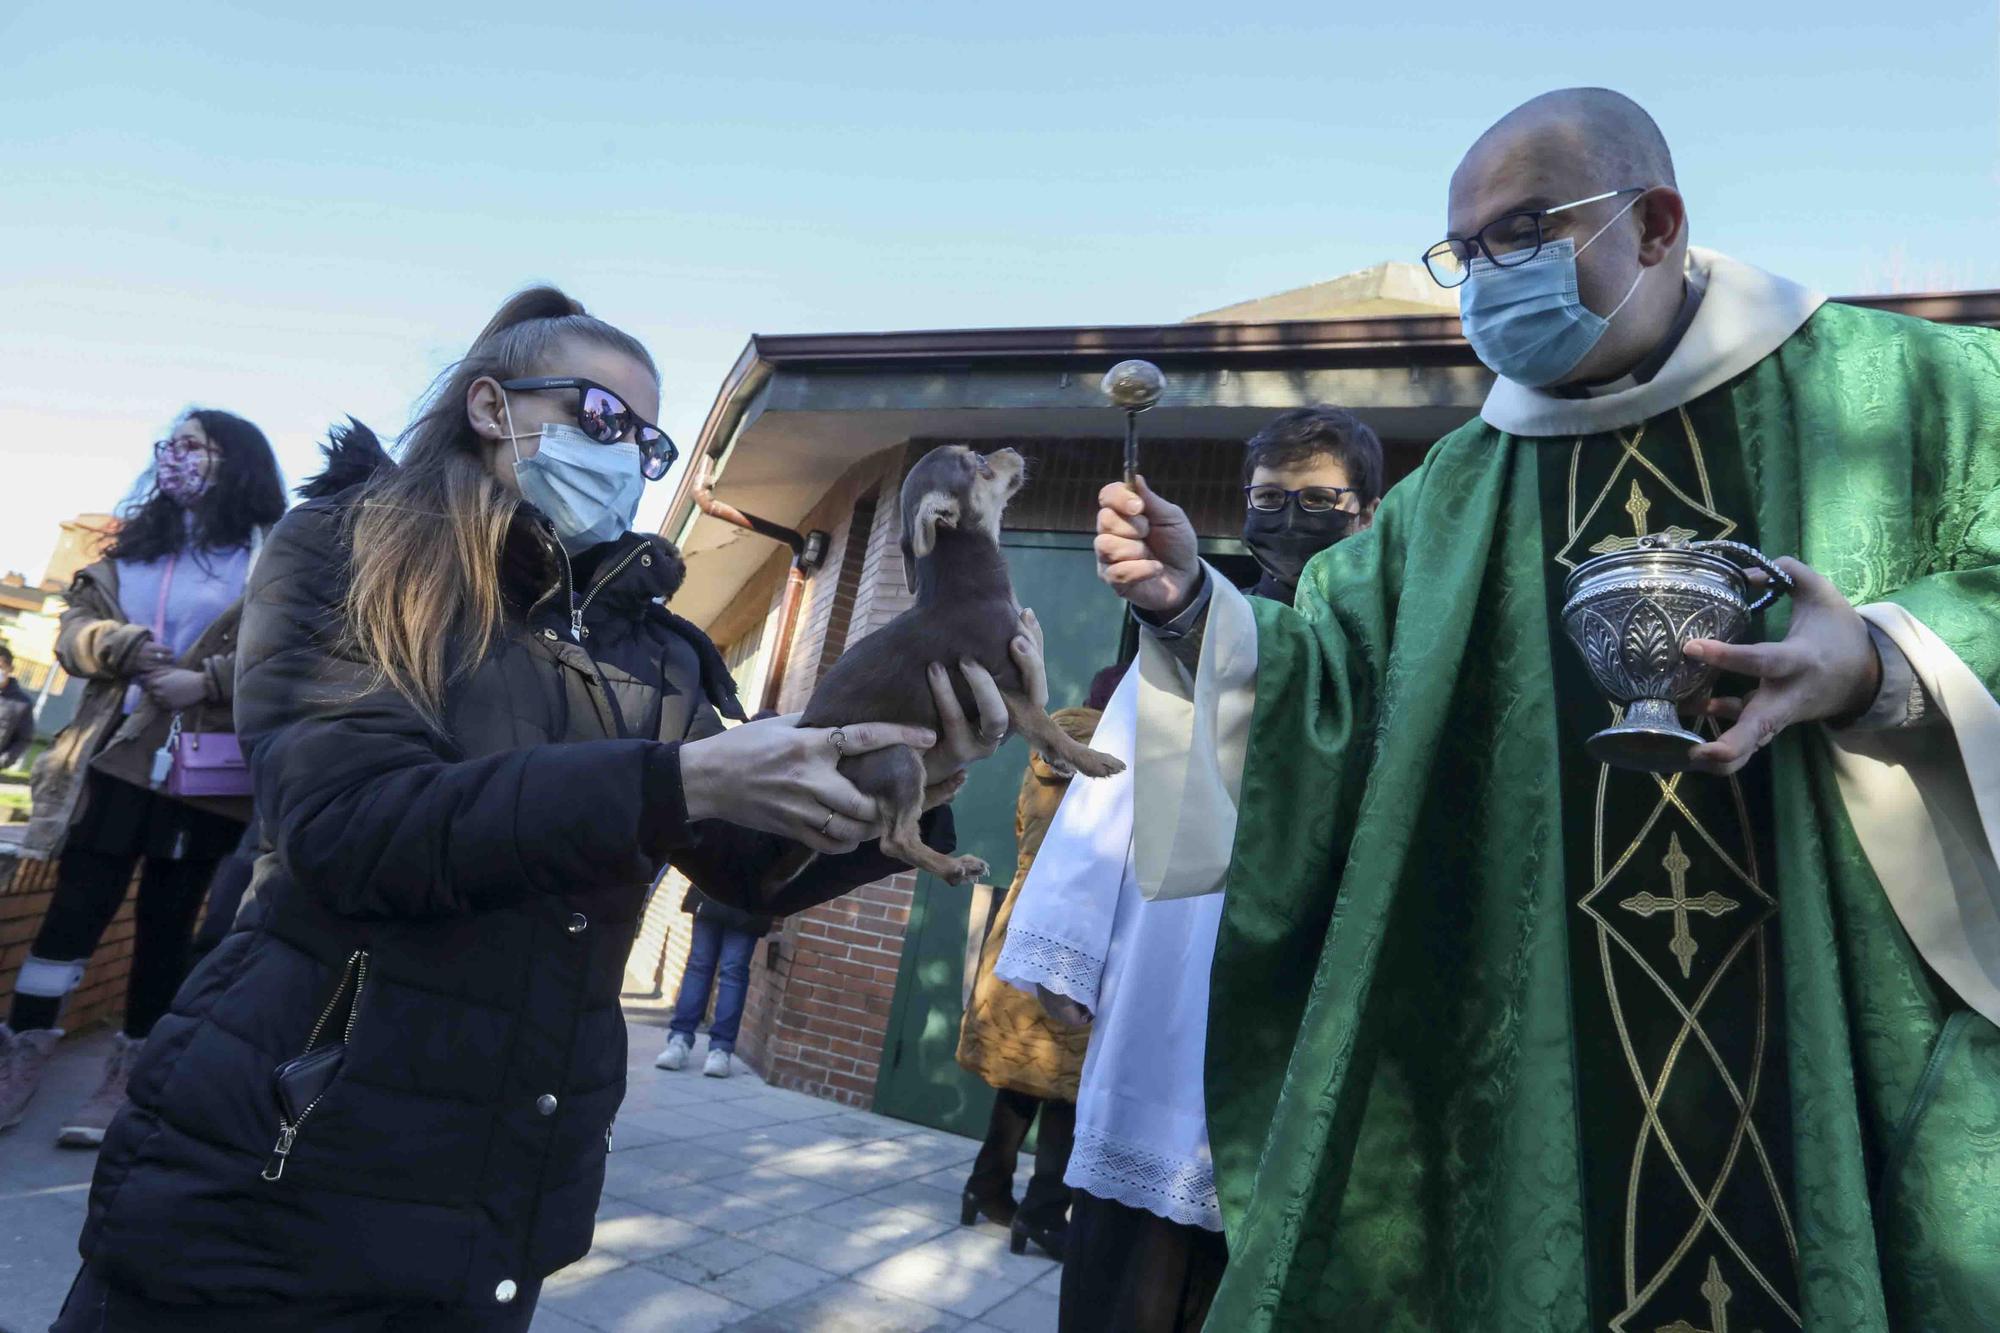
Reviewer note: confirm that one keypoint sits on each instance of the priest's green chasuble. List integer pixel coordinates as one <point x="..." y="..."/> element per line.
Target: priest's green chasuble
<point x="1503" y="1040"/>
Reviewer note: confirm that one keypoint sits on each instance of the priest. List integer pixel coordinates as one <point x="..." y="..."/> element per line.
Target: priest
<point x="1525" y="1042"/>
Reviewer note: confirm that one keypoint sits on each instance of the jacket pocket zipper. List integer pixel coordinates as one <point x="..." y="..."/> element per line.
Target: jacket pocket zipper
<point x="288" y="1130"/>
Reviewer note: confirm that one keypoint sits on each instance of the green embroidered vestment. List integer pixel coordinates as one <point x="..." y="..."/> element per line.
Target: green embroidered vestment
<point x="1516" y="1043"/>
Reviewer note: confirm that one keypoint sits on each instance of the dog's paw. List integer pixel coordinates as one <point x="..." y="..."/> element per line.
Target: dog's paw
<point x="970" y="869"/>
<point x="1096" y="764"/>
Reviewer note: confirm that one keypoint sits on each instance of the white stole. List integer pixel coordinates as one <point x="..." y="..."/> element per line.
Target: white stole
<point x="1193" y="737"/>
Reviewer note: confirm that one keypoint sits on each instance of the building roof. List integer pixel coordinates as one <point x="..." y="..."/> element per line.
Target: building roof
<point x="797" y="410"/>
<point x="1381" y="289"/>
<point x="16" y="594"/>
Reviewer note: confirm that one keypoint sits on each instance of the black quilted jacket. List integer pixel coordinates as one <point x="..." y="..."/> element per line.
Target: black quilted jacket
<point x="482" y="889"/>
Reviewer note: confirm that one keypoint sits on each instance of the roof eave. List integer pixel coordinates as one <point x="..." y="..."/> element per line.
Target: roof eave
<point x="1433" y="339"/>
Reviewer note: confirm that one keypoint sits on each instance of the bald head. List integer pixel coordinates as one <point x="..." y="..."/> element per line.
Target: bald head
<point x="1575" y="144"/>
<point x="1594" y="138"/>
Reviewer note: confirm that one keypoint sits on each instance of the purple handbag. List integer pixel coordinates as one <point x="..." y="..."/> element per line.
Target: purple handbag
<point x="203" y="763"/>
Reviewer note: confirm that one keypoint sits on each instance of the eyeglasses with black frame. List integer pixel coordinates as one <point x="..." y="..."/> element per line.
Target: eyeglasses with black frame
<point x="1508" y="240"/>
<point x="1312" y="499"/>
<point x="604" y="417"/>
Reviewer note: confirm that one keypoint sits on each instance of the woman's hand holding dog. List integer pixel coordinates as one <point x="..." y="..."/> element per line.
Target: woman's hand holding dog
<point x="782" y="778"/>
<point x="962" y="743"/>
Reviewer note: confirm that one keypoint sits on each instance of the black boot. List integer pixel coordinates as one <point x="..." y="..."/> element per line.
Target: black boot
<point x="1049" y="1240"/>
<point x="971" y="1207"/>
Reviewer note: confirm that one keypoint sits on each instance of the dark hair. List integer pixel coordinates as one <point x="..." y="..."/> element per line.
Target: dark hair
<point x="246" y="493"/>
<point x="6" y="654"/>
<point x="1310" y="432"/>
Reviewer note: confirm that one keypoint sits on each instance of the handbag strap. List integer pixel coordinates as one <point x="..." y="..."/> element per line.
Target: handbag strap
<point x="166" y="586"/>
<point x="160" y="636"/>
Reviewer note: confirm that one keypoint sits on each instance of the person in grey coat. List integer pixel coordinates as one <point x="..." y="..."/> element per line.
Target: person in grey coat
<point x="17" y="713"/>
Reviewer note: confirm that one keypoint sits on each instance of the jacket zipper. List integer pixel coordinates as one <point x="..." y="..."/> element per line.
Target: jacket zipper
<point x="578" y="608"/>
<point x="288" y="1131"/>
<point x="569" y="591"/>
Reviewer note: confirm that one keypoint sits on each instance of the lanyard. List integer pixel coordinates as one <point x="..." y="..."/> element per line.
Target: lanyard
<point x="166" y="585"/>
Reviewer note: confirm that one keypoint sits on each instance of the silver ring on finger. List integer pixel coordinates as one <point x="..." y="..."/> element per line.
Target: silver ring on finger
<point x="828" y="824"/>
<point x="839" y="740"/>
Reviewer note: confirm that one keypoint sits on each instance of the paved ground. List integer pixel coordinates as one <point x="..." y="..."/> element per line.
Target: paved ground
<point x="727" y="1205"/>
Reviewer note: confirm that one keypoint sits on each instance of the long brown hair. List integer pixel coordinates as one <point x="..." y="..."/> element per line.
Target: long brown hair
<point x="423" y="599"/>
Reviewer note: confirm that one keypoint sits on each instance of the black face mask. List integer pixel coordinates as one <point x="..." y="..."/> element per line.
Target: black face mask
<point x="1284" y="540"/>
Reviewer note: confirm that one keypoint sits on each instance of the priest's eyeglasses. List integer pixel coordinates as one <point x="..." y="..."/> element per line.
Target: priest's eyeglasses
<point x="1510" y="239"/>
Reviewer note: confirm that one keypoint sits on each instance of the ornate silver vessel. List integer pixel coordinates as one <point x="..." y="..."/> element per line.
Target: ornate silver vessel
<point x="1629" y="615"/>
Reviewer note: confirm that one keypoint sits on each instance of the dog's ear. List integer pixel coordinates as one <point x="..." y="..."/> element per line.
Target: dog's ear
<point x="921" y="521"/>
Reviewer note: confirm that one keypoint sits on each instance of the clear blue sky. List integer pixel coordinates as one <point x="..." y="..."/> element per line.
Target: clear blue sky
<point x="294" y="217"/>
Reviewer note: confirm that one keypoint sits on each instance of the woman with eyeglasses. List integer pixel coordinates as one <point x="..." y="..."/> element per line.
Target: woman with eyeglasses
<point x="477" y="734"/>
<point x="151" y="628"/>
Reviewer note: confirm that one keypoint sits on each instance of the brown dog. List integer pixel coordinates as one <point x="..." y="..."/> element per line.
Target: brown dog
<point x="965" y="611"/>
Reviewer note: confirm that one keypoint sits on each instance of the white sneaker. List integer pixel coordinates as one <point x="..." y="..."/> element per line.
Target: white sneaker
<point x="675" y="1056"/>
<point x="23" y="1057"/>
<point x="85" y="1127"/>
<point x="717" y="1064"/>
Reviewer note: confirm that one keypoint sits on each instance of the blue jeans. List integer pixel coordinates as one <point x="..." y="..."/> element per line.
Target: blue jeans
<point x="713" y="949"/>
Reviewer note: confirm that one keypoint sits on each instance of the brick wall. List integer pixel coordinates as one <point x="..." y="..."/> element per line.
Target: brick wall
<point x="24" y="899"/>
<point x="829" y="995"/>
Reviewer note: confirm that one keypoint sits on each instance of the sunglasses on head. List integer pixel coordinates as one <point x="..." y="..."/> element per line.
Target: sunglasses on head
<point x="604" y="417"/>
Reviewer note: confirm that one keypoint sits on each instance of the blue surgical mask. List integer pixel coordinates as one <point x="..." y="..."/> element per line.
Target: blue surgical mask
<point x="1527" y="322"/>
<point x="590" y="491"/>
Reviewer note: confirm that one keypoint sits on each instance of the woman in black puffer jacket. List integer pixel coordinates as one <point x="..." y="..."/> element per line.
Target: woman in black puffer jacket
<point x="471" y="760"/>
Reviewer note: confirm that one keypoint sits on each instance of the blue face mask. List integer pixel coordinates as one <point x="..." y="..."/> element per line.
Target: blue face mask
<point x="590" y="491"/>
<point x="1527" y="323"/>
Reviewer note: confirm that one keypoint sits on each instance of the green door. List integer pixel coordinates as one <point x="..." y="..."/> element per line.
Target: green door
<point x="1083" y="624"/>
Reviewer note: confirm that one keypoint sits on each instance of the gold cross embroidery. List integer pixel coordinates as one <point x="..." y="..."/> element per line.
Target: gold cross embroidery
<point x="1638" y="506"/>
<point x="1717" y="1293"/>
<point x="1711" y="903"/>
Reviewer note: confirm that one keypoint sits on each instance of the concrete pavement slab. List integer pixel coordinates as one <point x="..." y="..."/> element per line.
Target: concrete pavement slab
<point x="847" y="1307"/>
<point x="728" y="1204"/>
<point x="960" y="1271"/>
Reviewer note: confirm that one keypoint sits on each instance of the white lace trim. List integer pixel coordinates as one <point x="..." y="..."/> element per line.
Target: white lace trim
<point x="1030" y="958"/>
<point x="1177" y="1188"/>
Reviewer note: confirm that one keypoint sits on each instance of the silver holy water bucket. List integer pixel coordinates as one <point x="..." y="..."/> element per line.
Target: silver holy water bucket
<point x="1629" y="613"/>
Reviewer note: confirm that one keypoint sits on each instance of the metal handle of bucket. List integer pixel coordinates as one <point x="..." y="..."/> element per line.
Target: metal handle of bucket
<point x="1751" y="557"/>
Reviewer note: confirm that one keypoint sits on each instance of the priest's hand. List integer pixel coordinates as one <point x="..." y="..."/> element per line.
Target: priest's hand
<point x="1146" y="548"/>
<point x="1825" y="667"/>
